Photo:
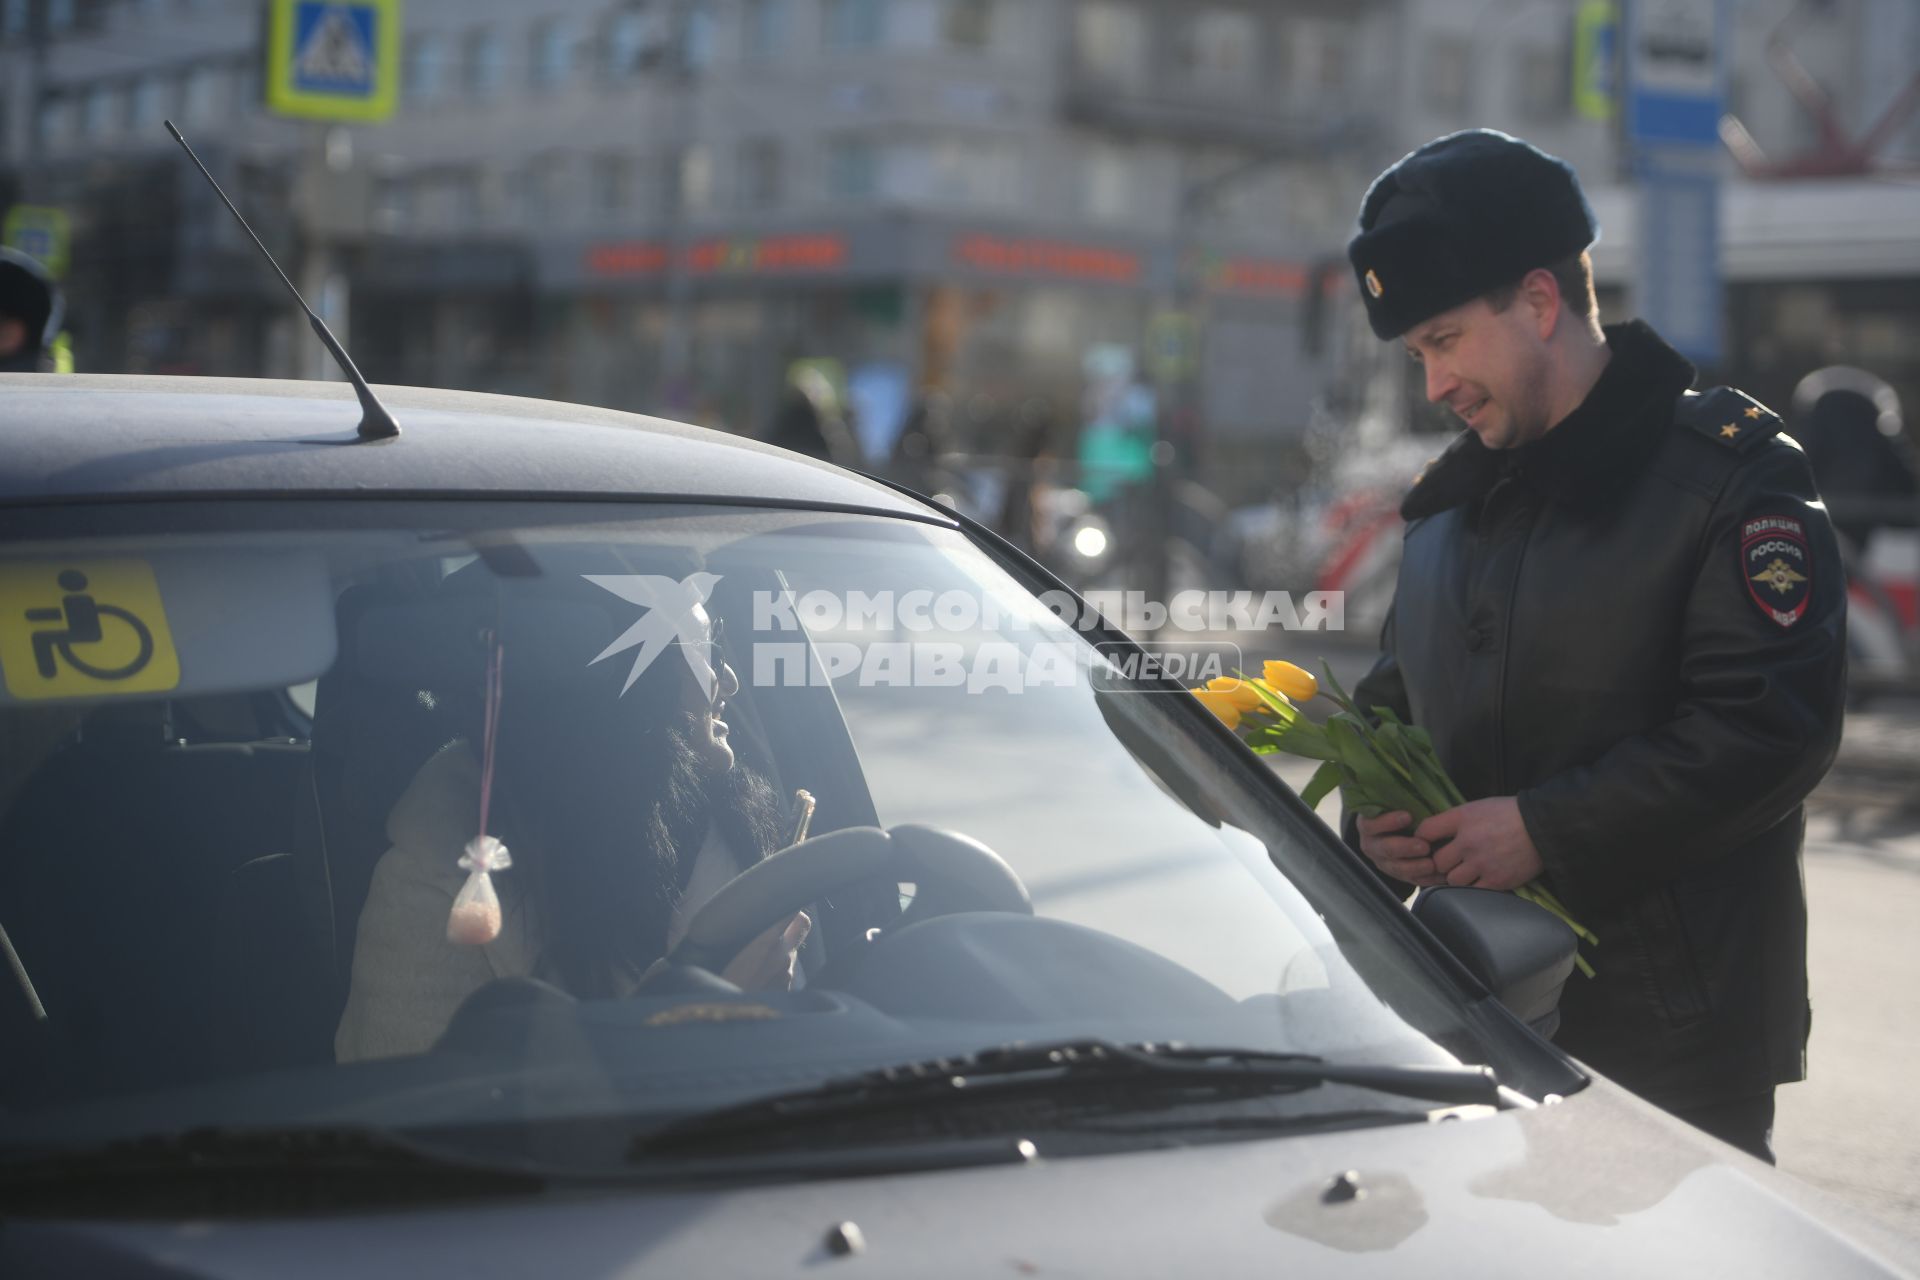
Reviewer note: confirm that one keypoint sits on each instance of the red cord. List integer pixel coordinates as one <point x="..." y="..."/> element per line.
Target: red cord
<point x="495" y="653"/>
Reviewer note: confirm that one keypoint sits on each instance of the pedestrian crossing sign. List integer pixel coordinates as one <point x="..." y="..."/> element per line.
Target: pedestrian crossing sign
<point x="334" y="60"/>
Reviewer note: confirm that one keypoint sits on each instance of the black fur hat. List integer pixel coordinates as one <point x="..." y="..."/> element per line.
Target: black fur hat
<point x="1460" y="217"/>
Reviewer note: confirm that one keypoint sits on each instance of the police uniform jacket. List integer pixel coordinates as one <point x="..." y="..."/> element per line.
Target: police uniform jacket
<point x="1635" y="626"/>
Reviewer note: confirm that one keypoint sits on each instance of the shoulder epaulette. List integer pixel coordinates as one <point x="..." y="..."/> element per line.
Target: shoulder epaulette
<point x="1728" y="417"/>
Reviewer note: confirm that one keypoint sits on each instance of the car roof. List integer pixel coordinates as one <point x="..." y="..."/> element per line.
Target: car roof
<point x="95" y="437"/>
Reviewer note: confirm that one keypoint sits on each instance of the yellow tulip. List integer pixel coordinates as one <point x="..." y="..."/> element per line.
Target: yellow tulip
<point x="1221" y="704"/>
<point x="1290" y="681"/>
<point x="1238" y="691"/>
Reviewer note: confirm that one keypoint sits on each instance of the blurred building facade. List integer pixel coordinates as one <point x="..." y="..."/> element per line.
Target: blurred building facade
<point x="661" y="205"/>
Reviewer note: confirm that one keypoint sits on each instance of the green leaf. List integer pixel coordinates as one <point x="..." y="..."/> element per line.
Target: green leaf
<point x="1324" y="780"/>
<point x="1335" y="692"/>
<point x="1306" y="739"/>
<point x="1390" y="737"/>
<point x="1375" y="781"/>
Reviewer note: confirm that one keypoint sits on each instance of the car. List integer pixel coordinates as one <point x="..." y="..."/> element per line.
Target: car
<point x="556" y="841"/>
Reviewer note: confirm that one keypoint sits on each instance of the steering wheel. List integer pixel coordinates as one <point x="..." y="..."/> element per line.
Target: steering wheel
<point x="951" y="872"/>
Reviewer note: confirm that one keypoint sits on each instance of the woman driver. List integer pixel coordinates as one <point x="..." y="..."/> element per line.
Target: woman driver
<point x="623" y="813"/>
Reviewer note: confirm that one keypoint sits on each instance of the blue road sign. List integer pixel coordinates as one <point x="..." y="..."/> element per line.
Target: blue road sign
<point x="1675" y="72"/>
<point x="334" y="59"/>
<point x="334" y="46"/>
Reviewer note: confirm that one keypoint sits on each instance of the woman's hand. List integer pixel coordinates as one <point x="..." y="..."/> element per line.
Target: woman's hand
<point x="766" y="963"/>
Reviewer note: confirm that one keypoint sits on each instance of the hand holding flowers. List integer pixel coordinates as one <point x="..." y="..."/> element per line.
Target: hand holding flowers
<point x="1385" y="770"/>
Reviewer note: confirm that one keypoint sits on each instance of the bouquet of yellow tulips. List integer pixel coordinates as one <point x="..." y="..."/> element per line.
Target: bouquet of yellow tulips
<point x="1379" y="768"/>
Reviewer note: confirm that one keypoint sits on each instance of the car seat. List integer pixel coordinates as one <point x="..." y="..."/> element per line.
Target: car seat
<point x="151" y="894"/>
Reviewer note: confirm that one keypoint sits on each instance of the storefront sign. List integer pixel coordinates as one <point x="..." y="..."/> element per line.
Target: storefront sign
<point x="755" y="255"/>
<point x="761" y="255"/>
<point x="631" y="258"/>
<point x="1258" y="276"/>
<point x="1057" y="259"/>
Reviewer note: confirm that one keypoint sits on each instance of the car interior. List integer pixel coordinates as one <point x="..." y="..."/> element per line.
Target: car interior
<point x="219" y="850"/>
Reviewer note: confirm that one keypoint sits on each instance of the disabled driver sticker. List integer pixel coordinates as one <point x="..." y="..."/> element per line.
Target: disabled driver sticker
<point x="84" y="628"/>
<point x="1777" y="566"/>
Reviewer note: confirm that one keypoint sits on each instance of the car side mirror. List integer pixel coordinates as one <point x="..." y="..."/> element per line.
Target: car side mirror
<point x="1521" y="953"/>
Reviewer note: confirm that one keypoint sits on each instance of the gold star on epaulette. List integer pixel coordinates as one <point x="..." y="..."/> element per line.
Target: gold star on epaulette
<point x="1755" y="412"/>
<point x="1730" y="430"/>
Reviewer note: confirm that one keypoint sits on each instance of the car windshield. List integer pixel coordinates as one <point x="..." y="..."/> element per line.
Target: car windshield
<point x="247" y="751"/>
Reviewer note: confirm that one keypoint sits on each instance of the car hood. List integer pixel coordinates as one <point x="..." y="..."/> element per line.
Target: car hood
<point x="1597" y="1185"/>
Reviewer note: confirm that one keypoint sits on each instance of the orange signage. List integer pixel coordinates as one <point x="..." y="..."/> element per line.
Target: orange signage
<point x="1258" y="276"/>
<point x="767" y="253"/>
<point x="636" y="258"/>
<point x="1060" y="259"/>
<point x="710" y="257"/>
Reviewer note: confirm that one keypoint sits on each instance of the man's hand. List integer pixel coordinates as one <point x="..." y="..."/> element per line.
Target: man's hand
<point x="1403" y="856"/>
<point x="766" y="963"/>
<point x="1482" y="844"/>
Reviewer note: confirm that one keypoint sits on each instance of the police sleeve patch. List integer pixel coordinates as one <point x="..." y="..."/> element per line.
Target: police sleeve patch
<point x="1777" y="565"/>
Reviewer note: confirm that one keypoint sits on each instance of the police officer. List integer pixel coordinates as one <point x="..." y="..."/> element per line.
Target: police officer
<point x="30" y="314"/>
<point x="1620" y="616"/>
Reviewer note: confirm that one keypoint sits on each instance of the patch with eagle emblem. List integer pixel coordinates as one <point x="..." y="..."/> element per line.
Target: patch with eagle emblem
<point x="1777" y="566"/>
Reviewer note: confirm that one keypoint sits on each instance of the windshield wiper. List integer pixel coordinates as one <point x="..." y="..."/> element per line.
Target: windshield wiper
<point x="248" y="1170"/>
<point x="1069" y="1078"/>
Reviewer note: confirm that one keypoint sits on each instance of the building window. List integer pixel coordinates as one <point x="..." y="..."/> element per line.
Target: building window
<point x="54" y="121"/>
<point x="450" y="200"/>
<point x="696" y="36"/>
<point x="766" y="28"/>
<point x="1218" y="48"/>
<point x="245" y="83"/>
<point x="60" y="15"/>
<point x="612" y="185"/>
<point x="540" y="190"/>
<point x="486" y="63"/>
<point x="1107" y="176"/>
<point x="149" y="105"/>
<point x="1541" y="91"/>
<point x="103" y="112"/>
<point x="636" y="41"/>
<point x="13" y="18"/>
<point x="968" y="24"/>
<point x="1446" y="72"/>
<point x="392" y="204"/>
<point x="200" y="95"/>
<point x="550" y="54"/>
<point x="696" y="178"/>
<point x="761" y="178"/>
<point x="1331" y="52"/>
<point x="855" y="24"/>
<point x="425" y="77"/>
<point x="976" y="173"/>
<point x="1110" y="39"/>
<point x="853" y="167"/>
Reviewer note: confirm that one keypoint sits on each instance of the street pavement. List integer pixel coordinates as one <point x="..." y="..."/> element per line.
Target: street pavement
<point x="1852" y="1127"/>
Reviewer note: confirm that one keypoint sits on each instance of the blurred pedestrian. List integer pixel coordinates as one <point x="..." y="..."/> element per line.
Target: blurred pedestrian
<point x="808" y="421"/>
<point x="1620" y="615"/>
<point x="1848" y="421"/>
<point x="31" y="309"/>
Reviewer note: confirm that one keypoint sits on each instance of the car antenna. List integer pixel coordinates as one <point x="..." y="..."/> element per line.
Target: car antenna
<point x="375" y="422"/>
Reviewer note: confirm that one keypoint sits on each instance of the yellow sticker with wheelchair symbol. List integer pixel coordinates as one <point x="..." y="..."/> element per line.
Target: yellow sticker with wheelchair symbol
<point x="84" y="628"/>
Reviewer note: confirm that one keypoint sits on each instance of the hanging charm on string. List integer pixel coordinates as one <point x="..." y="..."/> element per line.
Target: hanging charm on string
<point x="475" y="919"/>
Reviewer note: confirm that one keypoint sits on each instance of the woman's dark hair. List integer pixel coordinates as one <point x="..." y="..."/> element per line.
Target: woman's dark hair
<point x="605" y="801"/>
